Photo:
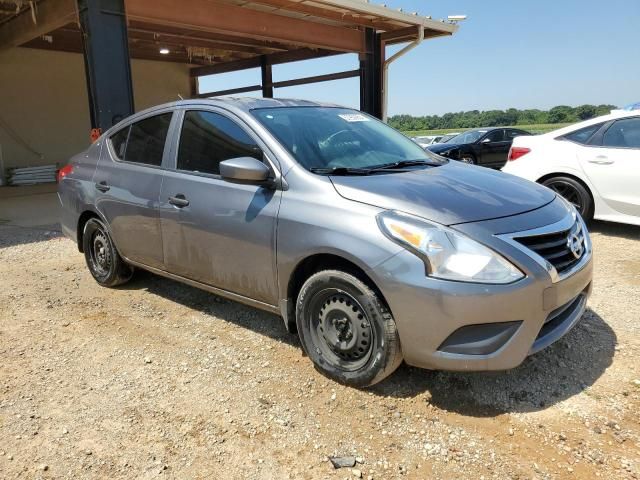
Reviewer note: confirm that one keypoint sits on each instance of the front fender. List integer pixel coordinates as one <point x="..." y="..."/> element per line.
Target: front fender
<point x="344" y="229"/>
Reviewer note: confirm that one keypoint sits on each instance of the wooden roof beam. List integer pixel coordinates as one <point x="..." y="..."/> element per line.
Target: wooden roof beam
<point x="162" y="38"/>
<point x="220" y="38"/>
<point x="354" y="19"/>
<point x="228" y="19"/>
<point x="409" y="34"/>
<point x="255" y="62"/>
<point x="50" y="15"/>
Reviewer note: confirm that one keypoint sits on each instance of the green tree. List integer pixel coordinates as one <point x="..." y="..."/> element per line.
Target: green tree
<point x="494" y="118"/>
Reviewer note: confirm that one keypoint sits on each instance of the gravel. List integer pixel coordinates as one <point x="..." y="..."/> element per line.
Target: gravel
<point x="156" y="378"/>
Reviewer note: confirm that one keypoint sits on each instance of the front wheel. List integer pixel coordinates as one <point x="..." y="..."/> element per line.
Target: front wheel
<point x="346" y="329"/>
<point x="468" y="158"/>
<point x="574" y="192"/>
<point x="103" y="260"/>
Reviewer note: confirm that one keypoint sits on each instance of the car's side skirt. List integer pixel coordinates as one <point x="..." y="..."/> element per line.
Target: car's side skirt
<point x="203" y="286"/>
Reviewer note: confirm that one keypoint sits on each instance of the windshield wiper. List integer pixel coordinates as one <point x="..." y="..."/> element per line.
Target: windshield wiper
<point x="404" y="163"/>
<point x="398" y="166"/>
<point x="340" y="171"/>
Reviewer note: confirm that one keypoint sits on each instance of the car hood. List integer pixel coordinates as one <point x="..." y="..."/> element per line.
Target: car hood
<point x="442" y="147"/>
<point x="450" y="194"/>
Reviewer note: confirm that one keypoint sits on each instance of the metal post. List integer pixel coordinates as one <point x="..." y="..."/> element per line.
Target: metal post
<point x="385" y="69"/>
<point x="106" y="60"/>
<point x="267" y="80"/>
<point x="371" y="74"/>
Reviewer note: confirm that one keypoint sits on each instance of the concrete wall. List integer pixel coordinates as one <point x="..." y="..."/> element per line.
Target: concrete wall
<point x="43" y="98"/>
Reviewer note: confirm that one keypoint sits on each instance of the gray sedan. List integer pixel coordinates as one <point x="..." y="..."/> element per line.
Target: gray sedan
<point x="371" y="249"/>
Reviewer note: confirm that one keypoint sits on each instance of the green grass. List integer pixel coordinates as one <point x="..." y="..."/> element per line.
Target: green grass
<point x="538" y="128"/>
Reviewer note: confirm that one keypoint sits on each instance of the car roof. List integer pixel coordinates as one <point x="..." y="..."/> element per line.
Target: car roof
<point x="239" y="105"/>
<point x="488" y="129"/>
<point x="615" y="114"/>
<point x="247" y="103"/>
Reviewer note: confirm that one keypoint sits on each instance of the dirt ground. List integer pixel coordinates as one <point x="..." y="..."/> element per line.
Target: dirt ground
<point x="156" y="379"/>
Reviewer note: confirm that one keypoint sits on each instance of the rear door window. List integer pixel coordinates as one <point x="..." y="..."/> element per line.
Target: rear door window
<point x="496" y="136"/>
<point x="511" y="134"/>
<point x="143" y="142"/>
<point x="146" y="140"/>
<point x="623" y="134"/>
<point x="208" y="138"/>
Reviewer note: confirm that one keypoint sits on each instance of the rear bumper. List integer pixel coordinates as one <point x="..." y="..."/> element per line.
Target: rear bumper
<point x="69" y="213"/>
<point x="473" y="327"/>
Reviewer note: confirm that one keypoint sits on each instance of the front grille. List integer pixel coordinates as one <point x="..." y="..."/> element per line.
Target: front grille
<point x="561" y="249"/>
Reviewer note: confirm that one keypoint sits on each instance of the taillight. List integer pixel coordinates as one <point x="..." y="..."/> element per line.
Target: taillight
<point x="517" y="152"/>
<point x="64" y="171"/>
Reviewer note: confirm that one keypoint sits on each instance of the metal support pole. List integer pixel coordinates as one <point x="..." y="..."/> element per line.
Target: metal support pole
<point x="106" y="59"/>
<point x="267" y="81"/>
<point x="385" y="68"/>
<point x="371" y="74"/>
<point x="194" y="86"/>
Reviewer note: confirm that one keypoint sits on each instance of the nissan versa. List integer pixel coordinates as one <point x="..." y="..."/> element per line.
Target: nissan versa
<point x="372" y="249"/>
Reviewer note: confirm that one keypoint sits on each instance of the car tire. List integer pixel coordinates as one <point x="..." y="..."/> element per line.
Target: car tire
<point x="574" y="192"/>
<point x="468" y="158"/>
<point x="103" y="260"/>
<point x="346" y="329"/>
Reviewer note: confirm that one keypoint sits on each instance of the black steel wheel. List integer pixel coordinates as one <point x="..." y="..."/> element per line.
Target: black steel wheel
<point x="103" y="260"/>
<point x="339" y="328"/>
<point x="574" y="192"/>
<point x="346" y="329"/>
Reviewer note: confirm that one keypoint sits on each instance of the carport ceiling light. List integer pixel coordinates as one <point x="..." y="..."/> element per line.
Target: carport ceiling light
<point x="164" y="51"/>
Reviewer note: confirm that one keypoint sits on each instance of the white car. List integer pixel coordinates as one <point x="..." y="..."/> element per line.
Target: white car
<point x="426" y="140"/>
<point x="594" y="164"/>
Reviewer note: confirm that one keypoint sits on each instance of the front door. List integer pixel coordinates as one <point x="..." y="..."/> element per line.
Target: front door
<point x="214" y="231"/>
<point x="613" y="165"/>
<point x="127" y="182"/>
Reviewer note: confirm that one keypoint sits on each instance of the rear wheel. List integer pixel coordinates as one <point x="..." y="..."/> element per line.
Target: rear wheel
<point x="103" y="260"/>
<point x="574" y="192"/>
<point x="346" y="329"/>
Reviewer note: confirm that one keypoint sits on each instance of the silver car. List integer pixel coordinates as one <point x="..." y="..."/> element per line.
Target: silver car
<point x="372" y="249"/>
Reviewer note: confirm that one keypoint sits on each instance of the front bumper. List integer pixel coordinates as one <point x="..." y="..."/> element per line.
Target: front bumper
<point x="441" y="323"/>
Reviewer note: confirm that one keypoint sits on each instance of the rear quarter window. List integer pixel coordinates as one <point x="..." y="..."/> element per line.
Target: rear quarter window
<point x="583" y="135"/>
<point x="119" y="142"/>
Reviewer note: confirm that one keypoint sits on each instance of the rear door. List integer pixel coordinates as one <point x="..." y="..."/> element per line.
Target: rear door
<point x="494" y="148"/>
<point x="127" y="184"/>
<point x="612" y="163"/>
<point x="214" y="231"/>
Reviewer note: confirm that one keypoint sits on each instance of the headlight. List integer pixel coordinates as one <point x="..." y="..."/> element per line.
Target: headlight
<point x="448" y="255"/>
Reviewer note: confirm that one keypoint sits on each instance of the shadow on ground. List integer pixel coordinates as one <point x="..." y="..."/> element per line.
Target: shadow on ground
<point x="561" y="371"/>
<point x="264" y="323"/>
<point x="630" y="232"/>
<point x="11" y="235"/>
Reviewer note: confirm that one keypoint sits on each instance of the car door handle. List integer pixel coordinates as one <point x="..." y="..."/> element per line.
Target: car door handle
<point x="102" y="186"/>
<point x="179" y="201"/>
<point x="601" y="160"/>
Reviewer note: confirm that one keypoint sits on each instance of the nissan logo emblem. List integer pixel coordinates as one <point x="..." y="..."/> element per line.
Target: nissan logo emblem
<point x="574" y="243"/>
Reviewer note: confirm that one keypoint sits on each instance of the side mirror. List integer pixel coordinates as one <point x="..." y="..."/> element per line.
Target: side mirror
<point x="244" y="169"/>
<point x="486" y="140"/>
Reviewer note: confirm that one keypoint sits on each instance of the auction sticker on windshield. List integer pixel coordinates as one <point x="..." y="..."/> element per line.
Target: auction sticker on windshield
<point x="353" y="117"/>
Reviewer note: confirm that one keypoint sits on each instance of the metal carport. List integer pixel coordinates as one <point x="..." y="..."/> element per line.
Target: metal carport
<point x="213" y="36"/>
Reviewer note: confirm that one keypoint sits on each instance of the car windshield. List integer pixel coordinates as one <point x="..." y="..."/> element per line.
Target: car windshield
<point x="339" y="138"/>
<point x="467" y="137"/>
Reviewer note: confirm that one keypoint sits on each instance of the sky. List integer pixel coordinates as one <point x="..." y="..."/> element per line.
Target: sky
<point x="507" y="53"/>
